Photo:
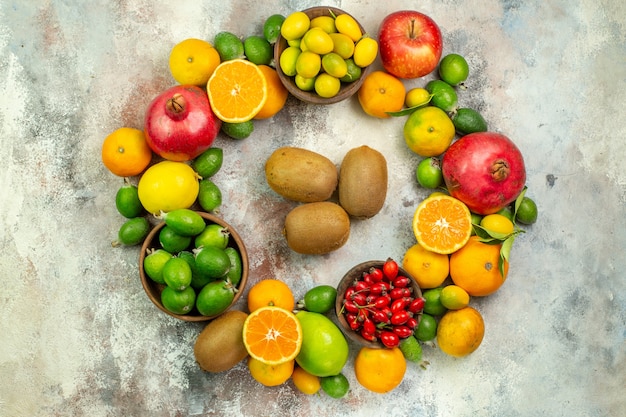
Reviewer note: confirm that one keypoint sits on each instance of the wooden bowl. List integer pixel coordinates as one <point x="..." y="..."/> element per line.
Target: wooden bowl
<point x="348" y="280"/>
<point x="153" y="289"/>
<point x="346" y="90"/>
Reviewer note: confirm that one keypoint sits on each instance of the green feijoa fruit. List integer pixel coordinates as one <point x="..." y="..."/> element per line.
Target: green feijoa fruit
<point x="236" y="266"/>
<point x="215" y="297"/>
<point x="209" y="195"/>
<point x="468" y="120"/>
<point x="172" y="241"/>
<point x="444" y="95"/>
<point x="428" y="173"/>
<point x="127" y="201"/>
<point x="213" y="235"/>
<point x="319" y="299"/>
<point x="453" y="69"/>
<point x="153" y="264"/>
<point x="335" y="386"/>
<point x="258" y="50"/>
<point x="212" y="261"/>
<point x="133" y="231"/>
<point x="209" y="162"/>
<point x="178" y="302"/>
<point x="239" y="131"/>
<point x="197" y="279"/>
<point x="527" y="211"/>
<point x="177" y="274"/>
<point x="185" y="222"/>
<point x="271" y="27"/>
<point x="411" y="349"/>
<point x="229" y="46"/>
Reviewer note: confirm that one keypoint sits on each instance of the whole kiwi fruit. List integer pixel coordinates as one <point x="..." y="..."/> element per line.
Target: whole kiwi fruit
<point x="317" y="228"/>
<point x="219" y="346"/>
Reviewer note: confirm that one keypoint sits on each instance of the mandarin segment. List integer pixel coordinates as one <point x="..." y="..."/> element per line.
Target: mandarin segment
<point x="442" y="224"/>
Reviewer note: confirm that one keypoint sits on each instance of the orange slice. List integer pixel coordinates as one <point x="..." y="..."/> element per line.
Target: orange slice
<point x="272" y="335"/>
<point x="237" y="90"/>
<point x="442" y="224"/>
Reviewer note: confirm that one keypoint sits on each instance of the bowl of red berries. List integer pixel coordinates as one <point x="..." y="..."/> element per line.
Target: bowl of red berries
<point x="378" y="304"/>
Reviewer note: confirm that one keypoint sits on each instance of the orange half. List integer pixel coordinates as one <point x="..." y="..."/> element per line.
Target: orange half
<point x="442" y="224"/>
<point x="237" y="90"/>
<point x="272" y="335"/>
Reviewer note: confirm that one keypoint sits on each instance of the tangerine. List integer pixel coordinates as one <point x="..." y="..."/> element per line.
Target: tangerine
<point x="428" y="131"/>
<point x="192" y="61"/>
<point x="475" y="267"/>
<point x="272" y="335"/>
<point x="460" y="332"/>
<point x="430" y="269"/>
<point x="270" y="292"/>
<point x="380" y="370"/>
<point x="380" y="93"/>
<point x="276" y="94"/>
<point x="270" y="375"/>
<point x="305" y="382"/>
<point x="125" y="152"/>
<point x="442" y="224"/>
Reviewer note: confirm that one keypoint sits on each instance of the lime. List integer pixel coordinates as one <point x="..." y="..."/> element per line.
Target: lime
<point x="153" y="264"/>
<point x="327" y="86"/>
<point x="334" y="65"/>
<point x="258" y="50"/>
<point x="271" y="27"/>
<point x="444" y="95"/>
<point x="354" y="71"/>
<point x="172" y="241"/>
<point x="527" y="211"/>
<point x="215" y="298"/>
<point x="426" y="329"/>
<point x="197" y="279"/>
<point x="454" y="297"/>
<point x="178" y="302"/>
<point x="295" y="25"/>
<point x="288" y="59"/>
<point x="319" y="299"/>
<point x="213" y="235"/>
<point x="133" y="231"/>
<point x="209" y="162"/>
<point x="342" y="45"/>
<point x="184" y="222"/>
<point x="429" y="173"/>
<point x="453" y="69"/>
<point x="209" y="196"/>
<point x="236" y="266"/>
<point x="238" y="130"/>
<point x="177" y="273"/>
<point x="506" y="212"/>
<point x="416" y="97"/>
<point x="127" y="201"/>
<point x="411" y="349"/>
<point x="308" y="64"/>
<point x="229" y="46"/>
<point x="468" y="120"/>
<point x="432" y="303"/>
<point x="212" y="262"/>
<point x="304" y="84"/>
<point x="335" y="386"/>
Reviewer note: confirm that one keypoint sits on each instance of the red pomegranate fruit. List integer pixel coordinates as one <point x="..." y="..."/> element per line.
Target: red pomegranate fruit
<point x="485" y="171"/>
<point x="180" y="124"/>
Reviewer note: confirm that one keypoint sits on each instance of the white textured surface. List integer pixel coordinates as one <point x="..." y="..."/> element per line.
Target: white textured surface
<point x="79" y="335"/>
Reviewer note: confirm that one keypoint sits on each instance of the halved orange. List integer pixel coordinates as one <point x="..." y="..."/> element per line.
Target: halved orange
<point x="237" y="90"/>
<point x="442" y="224"/>
<point x="272" y="335"/>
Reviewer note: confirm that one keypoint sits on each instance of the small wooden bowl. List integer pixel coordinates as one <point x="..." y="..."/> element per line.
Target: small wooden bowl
<point x="348" y="280"/>
<point x="153" y="289"/>
<point x="346" y="90"/>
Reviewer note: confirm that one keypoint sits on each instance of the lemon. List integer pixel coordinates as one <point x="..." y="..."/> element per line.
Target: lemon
<point x="333" y="64"/>
<point x="347" y="25"/>
<point x="167" y="186"/>
<point x="318" y="41"/>
<point x="304" y="84"/>
<point x="428" y="131"/>
<point x="454" y="297"/>
<point x="498" y="223"/>
<point x="416" y="97"/>
<point x="288" y="59"/>
<point x="327" y="86"/>
<point x="295" y="25"/>
<point x="342" y="45"/>
<point x="308" y="64"/>
<point x="365" y="52"/>
<point x="327" y="23"/>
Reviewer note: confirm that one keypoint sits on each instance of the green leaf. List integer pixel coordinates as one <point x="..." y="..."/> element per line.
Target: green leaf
<point x="518" y="202"/>
<point x="505" y="253"/>
<point x="409" y="110"/>
<point x="485" y="233"/>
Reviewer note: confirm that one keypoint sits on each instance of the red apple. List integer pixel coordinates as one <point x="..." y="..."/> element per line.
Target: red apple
<point x="410" y="44"/>
<point x="180" y="124"/>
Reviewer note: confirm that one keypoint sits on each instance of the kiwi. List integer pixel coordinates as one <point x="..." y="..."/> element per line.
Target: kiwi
<point x="301" y="175"/>
<point x="219" y="347"/>
<point x="317" y="228"/>
<point x="363" y="182"/>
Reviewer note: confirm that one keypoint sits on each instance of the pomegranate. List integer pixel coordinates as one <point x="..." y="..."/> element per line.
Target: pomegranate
<point x="485" y="171"/>
<point x="180" y="124"/>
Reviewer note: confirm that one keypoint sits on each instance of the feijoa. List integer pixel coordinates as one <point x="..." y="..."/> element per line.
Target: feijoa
<point x="213" y="235"/>
<point x="153" y="264"/>
<point x="236" y="267"/>
<point x="133" y="231"/>
<point x="209" y="162"/>
<point x="172" y="241"/>
<point x="212" y="261"/>
<point x="177" y="273"/>
<point x="127" y="201"/>
<point x="178" y="302"/>
<point x="443" y="95"/>
<point x="185" y="222"/>
<point x="467" y="120"/>
<point x="215" y="297"/>
<point x="319" y="299"/>
<point x="209" y="195"/>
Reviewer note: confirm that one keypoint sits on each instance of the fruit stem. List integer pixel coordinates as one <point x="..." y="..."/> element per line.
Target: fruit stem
<point x="412" y="33"/>
<point x="500" y="170"/>
<point x="176" y="106"/>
